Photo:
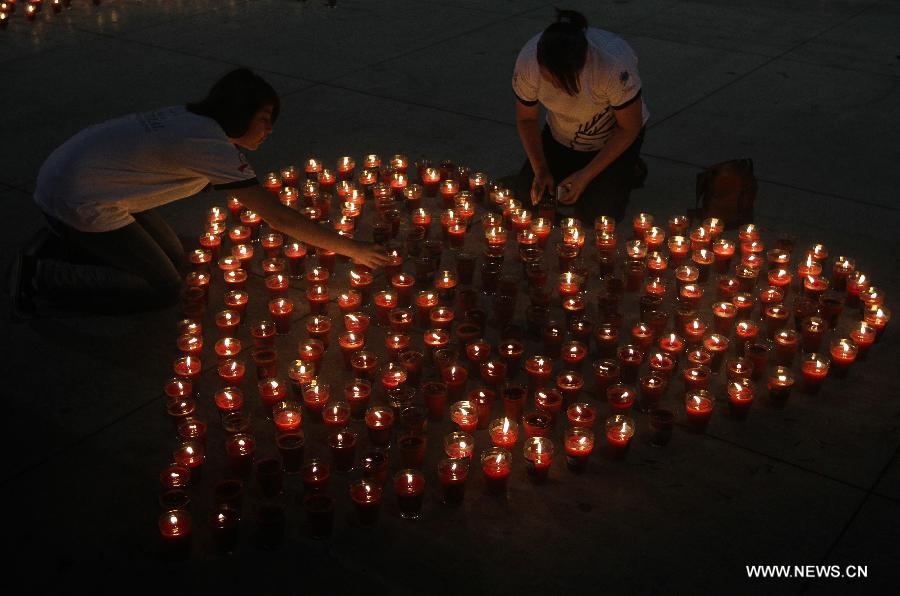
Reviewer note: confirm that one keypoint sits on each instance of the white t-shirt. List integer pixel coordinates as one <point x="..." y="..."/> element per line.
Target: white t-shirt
<point x="99" y="177"/>
<point x="609" y="80"/>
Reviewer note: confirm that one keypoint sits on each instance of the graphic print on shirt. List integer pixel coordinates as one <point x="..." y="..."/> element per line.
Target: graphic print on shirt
<point x="593" y="132"/>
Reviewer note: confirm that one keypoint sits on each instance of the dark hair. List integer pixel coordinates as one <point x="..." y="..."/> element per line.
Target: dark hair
<point x="235" y="99"/>
<point x="562" y="49"/>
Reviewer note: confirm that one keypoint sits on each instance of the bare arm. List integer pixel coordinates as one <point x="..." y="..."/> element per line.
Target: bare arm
<point x="528" y="125"/>
<point x="629" y="122"/>
<point x="290" y="222"/>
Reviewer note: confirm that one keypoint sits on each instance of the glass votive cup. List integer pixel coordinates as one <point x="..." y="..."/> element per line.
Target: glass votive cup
<point x="452" y="474"/>
<point x="379" y="422"/>
<point x="814" y="368"/>
<point x="496" y="465"/>
<point x="780" y="383"/>
<point x="698" y="407"/>
<point x="538" y="452"/>
<point x="343" y="449"/>
<point x="578" y="443"/>
<point x="740" y="397"/>
<point x="366" y="496"/>
<point x="661" y="423"/>
<point x="409" y="486"/>
<point x="291" y="447"/>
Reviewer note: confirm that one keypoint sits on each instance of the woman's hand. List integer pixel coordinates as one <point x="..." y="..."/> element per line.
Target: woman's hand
<point x="368" y="254"/>
<point x="573" y="186"/>
<point x="543" y="182"/>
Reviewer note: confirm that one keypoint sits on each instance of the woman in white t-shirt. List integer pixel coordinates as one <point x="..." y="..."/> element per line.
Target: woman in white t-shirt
<point x="110" y="249"/>
<point x="587" y="80"/>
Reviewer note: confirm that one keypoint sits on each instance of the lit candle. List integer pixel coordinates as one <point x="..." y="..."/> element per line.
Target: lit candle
<point x="878" y="317"/>
<point x="581" y="414"/>
<point x="287" y="416"/>
<point x="357" y="393"/>
<point x="578" y="443"/>
<point x="620" y="397"/>
<point x="653" y="386"/>
<point x="619" y="430"/>
<point x="342" y="443"/>
<point x="452" y="474"/>
<point x="538" y="452"/>
<point x="662" y="363"/>
<point x="814" y="368"/>
<point x="641" y="224"/>
<point x="779" y="384"/>
<point x="459" y="445"/>
<point x="315" y="396"/>
<point x="464" y="413"/>
<point x="698" y="406"/>
<point x="843" y="354"/>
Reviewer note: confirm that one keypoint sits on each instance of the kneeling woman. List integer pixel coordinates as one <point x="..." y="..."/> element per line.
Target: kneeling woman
<point x="99" y="190"/>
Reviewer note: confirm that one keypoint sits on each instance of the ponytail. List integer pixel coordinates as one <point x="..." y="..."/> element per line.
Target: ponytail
<point x="562" y="49"/>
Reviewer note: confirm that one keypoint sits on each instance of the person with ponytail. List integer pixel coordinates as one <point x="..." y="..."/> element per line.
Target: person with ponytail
<point x="587" y="80"/>
<point x="108" y="249"/>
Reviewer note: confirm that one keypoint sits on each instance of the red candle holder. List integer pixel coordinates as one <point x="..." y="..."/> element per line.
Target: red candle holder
<point x="459" y="445"/>
<point x="813" y="329"/>
<point x="739" y="368"/>
<point x="300" y="373"/>
<point x="227" y="322"/>
<point x="698" y="406"/>
<point x="357" y="393"/>
<point x="538" y="452"/>
<point x="630" y="359"/>
<point x="620" y="397"/>
<point x="231" y="372"/>
<point x="843" y="354"/>
<point x="863" y="335"/>
<point x="780" y="382"/>
<point x="350" y="342"/>
<point x="343" y="449"/>
<point x="758" y="355"/>
<point x="393" y="377"/>
<point x="452" y="474"/>
<point x="315" y="395"/>
<point x="271" y="391"/>
<point x="496" y="464"/>
<point x="578" y="443"/>
<point x="295" y="253"/>
<point x="379" y="422"/>
<point x="570" y="383"/>
<point x="641" y="224"/>
<point x="716" y="345"/>
<point x="877" y="317"/>
<point x="287" y="416"/>
<point x="740" y="397"/>
<point x="653" y="386"/>
<point x="409" y="486"/>
<point x="175" y="525"/>
<point x="538" y="368"/>
<point x="606" y="373"/>
<point x="280" y="310"/>
<point x="745" y="331"/>
<point x="315" y="475"/>
<point x="240" y="449"/>
<point x="290" y="447"/>
<point x="581" y="414"/>
<point x="364" y="364"/>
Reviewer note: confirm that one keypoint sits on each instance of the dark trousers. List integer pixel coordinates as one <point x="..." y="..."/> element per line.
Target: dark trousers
<point x="129" y="269"/>
<point x="607" y="194"/>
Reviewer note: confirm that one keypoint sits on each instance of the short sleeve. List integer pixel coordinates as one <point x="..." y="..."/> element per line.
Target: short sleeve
<point x="624" y="83"/>
<point x="526" y="76"/>
<point x="218" y="161"/>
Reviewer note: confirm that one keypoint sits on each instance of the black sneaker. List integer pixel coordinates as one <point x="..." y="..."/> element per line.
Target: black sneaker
<point x="21" y="289"/>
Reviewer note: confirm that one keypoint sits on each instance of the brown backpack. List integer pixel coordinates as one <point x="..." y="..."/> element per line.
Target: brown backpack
<point x="726" y="191"/>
